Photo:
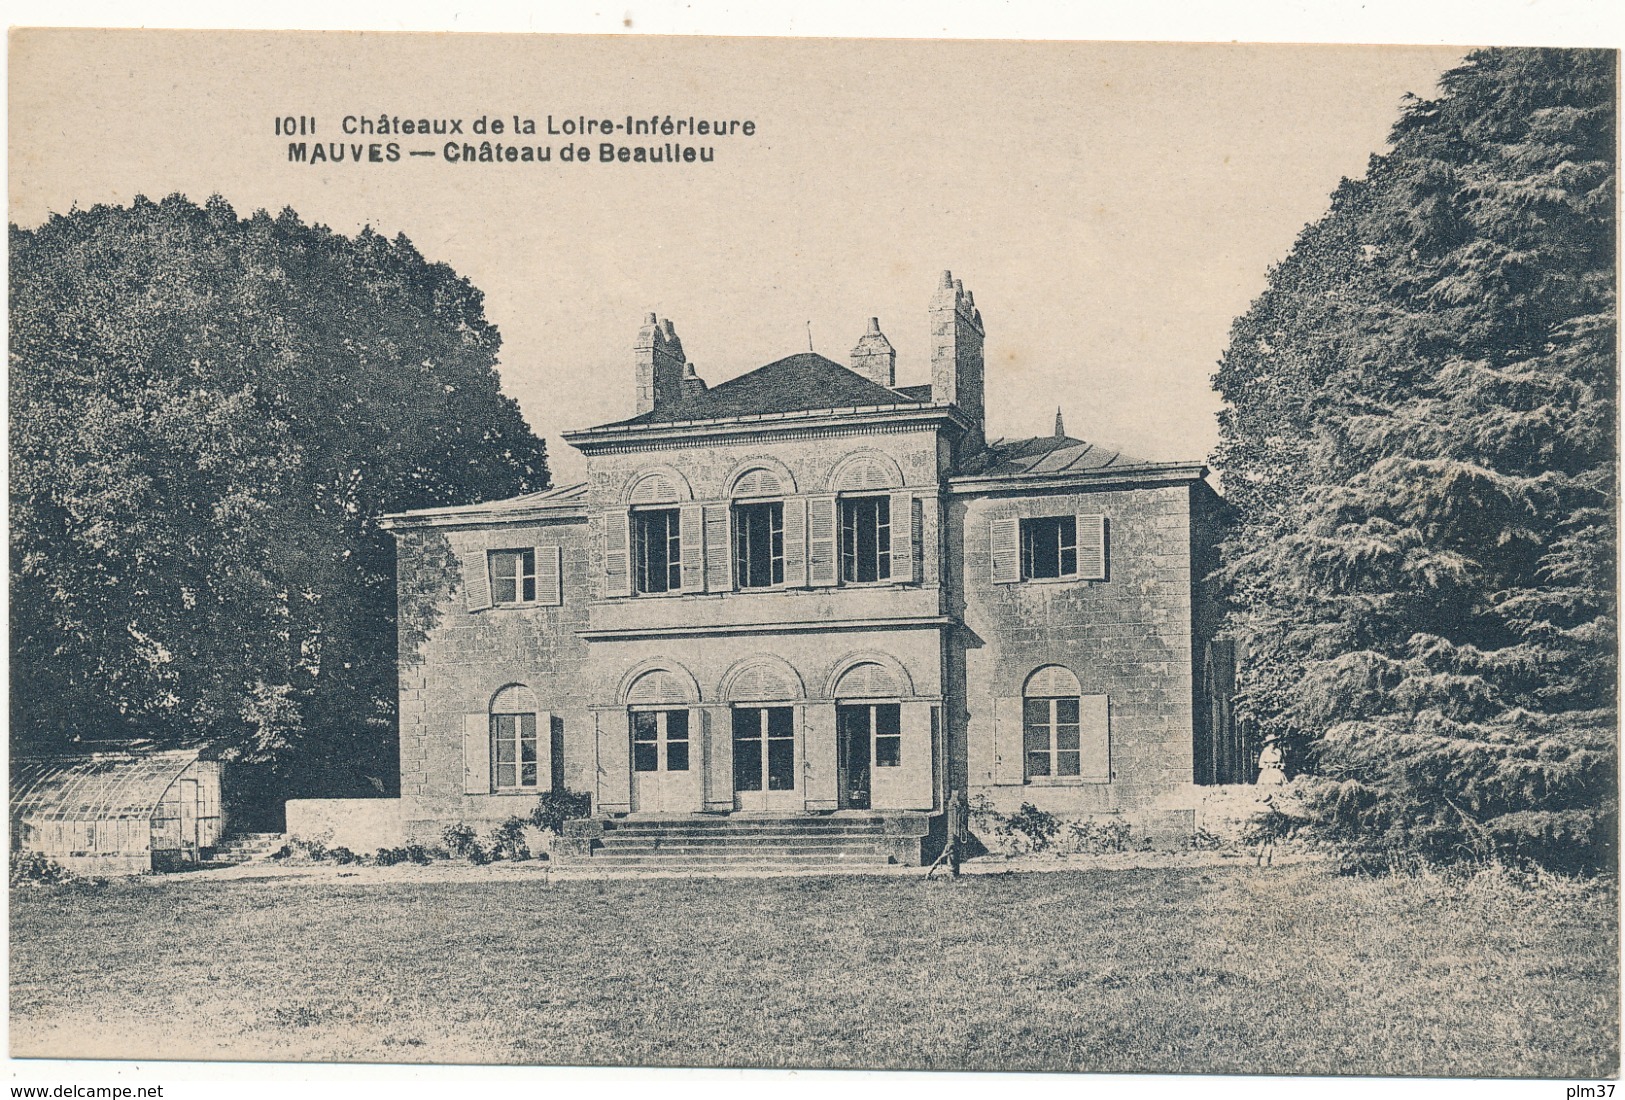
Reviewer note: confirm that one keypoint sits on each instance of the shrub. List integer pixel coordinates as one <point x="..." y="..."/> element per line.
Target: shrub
<point x="554" y="808"/>
<point x="386" y="857"/>
<point x="1032" y="827"/>
<point x="1091" y="837"/>
<point x="458" y="839"/>
<point x="343" y="856"/>
<point x="476" y="854"/>
<point x="37" y="869"/>
<point x="416" y="853"/>
<point x="507" y="840"/>
<point x="314" y="849"/>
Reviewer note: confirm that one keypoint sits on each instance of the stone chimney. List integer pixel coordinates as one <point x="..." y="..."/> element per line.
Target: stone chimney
<point x="956" y="352"/>
<point x="874" y="357"/>
<point x="661" y="367"/>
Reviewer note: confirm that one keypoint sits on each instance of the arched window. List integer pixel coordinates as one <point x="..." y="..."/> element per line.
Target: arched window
<point x="515" y="754"/>
<point x="1051" y="705"/>
<point x="758" y="528"/>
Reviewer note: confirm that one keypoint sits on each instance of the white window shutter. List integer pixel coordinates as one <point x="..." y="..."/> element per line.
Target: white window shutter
<point x="549" y="576"/>
<point x="476" y="754"/>
<point x="693" y="534"/>
<point x="917" y="758"/>
<point x="904" y="535"/>
<point x="617" y="553"/>
<point x="477" y="578"/>
<point x="795" y="542"/>
<point x="614" y="763"/>
<point x="1004" y="545"/>
<point x="823" y="563"/>
<point x="1009" y="743"/>
<point x="1091" y="547"/>
<point x="718" y="550"/>
<point x="1095" y="737"/>
<point x="917" y="518"/>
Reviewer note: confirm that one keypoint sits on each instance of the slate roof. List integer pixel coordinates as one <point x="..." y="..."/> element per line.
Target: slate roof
<point x="798" y="383"/>
<point x="562" y="496"/>
<point x="1045" y="455"/>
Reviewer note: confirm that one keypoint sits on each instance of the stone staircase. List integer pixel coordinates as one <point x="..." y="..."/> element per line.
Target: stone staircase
<point x="740" y="844"/>
<point x="247" y="847"/>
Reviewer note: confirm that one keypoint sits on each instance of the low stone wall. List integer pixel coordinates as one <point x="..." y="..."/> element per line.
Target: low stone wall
<point x="359" y="824"/>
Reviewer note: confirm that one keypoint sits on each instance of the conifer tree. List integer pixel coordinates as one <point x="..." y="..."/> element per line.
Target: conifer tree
<point x="1419" y="441"/>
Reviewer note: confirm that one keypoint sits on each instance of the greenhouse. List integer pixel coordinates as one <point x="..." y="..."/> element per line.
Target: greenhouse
<point x="118" y="808"/>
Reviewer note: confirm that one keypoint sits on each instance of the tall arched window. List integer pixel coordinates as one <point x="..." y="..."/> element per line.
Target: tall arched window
<point x="515" y="754"/>
<point x="1050" y="724"/>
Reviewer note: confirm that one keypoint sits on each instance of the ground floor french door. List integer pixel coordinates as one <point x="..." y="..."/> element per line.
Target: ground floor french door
<point x="869" y="738"/>
<point x="662" y="775"/>
<point x="765" y="760"/>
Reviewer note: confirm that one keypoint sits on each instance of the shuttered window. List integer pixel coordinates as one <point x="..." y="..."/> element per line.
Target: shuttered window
<point x="1048" y="548"/>
<point x="866" y="550"/>
<point x="513" y="576"/>
<point x="657" y="551"/>
<point x="759" y="545"/>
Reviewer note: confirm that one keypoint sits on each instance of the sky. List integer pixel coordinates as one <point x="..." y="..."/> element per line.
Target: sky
<point x="1112" y="206"/>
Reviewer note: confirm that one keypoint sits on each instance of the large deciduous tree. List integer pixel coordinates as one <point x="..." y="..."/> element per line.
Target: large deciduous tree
<point x="208" y="415"/>
<point x="1419" y="440"/>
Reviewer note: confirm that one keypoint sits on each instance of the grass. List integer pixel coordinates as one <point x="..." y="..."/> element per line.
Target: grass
<point x="1219" y="970"/>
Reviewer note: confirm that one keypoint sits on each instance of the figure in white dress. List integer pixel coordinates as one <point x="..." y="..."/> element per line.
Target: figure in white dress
<point x="1271" y="768"/>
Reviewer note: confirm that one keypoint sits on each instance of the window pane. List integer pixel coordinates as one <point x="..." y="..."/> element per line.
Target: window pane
<point x="1035" y="711"/>
<point x="1035" y="737"/>
<point x="882" y="538"/>
<point x="1041" y="540"/>
<point x="529" y="592"/>
<point x="505" y="775"/>
<point x="1038" y="763"/>
<point x="888" y="752"/>
<point x="759" y="541"/>
<point x="527" y="749"/>
<point x="644" y="725"/>
<point x="1066" y="711"/>
<point x="1069" y="561"/>
<point x="888" y="719"/>
<point x="867" y="550"/>
<point x="505" y="747"/>
<point x="781" y="722"/>
<point x="504" y="582"/>
<point x="747" y="749"/>
<point x="527" y="775"/>
<point x="677" y="725"/>
<point x="677" y="756"/>
<point x="655" y="550"/>
<point x="1066" y="763"/>
<point x="781" y="764"/>
<point x="1066" y="737"/>
<point x="645" y="756"/>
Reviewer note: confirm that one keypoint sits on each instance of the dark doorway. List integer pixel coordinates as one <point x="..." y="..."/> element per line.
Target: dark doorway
<point x="852" y="725"/>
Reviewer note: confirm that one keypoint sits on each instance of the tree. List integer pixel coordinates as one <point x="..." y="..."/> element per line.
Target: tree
<point x="1418" y="436"/>
<point x="208" y="416"/>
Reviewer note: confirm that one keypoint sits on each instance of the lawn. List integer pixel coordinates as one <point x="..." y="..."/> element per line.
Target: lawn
<point x="1214" y="970"/>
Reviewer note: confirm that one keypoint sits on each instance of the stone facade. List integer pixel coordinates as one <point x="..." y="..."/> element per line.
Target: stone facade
<point x="807" y="590"/>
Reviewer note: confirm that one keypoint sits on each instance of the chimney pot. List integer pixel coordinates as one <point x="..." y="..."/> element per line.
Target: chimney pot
<point x="874" y="326"/>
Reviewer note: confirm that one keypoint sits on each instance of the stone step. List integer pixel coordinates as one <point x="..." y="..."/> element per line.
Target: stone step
<point x="738" y="819"/>
<point x="738" y="844"/>
<point x="745" y="828"/>
<point x="708" y="861"/>
<point x="833" y="849"/>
